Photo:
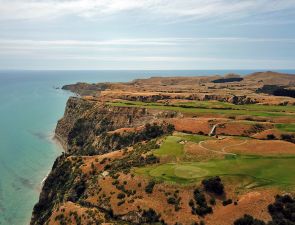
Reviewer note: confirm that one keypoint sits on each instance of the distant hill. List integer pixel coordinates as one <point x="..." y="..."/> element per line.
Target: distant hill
<point x="272" y="78"/>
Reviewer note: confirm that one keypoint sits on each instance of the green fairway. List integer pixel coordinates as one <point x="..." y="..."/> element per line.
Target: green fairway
<point x="192" y="137"/>
<point x="170" y="147"/>
<point x="250" y="171"/>
<point x="207" y="107"/>
<point x="226" y="105"/>
<point x="290" y="127"/>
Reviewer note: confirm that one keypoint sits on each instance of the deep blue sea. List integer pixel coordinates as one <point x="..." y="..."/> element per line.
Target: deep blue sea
<point x="30" y="106"/>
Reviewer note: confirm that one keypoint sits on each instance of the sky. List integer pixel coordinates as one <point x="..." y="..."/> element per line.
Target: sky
<point x="147" y="34"/>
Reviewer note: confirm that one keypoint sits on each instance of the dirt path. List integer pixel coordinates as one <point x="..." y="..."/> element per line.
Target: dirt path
<point x="211" y="150"/>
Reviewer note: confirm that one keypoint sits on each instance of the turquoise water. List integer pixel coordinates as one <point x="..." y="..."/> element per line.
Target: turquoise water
<point x="30" y="106"/>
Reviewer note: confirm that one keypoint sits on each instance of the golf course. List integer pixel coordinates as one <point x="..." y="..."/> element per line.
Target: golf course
<point x="248" y="170"/>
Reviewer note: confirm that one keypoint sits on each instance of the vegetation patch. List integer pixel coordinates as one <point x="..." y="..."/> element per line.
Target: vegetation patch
<point x="248" y="220"/>
<point x="150" y="187"/>
<point x="213" y="185"/>
<point x="199" y="204"/>
<point x="287" y="127"/>
<point x="281" y="211"/>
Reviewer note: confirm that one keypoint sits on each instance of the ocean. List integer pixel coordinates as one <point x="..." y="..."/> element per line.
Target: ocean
<point x="31" y="102"/>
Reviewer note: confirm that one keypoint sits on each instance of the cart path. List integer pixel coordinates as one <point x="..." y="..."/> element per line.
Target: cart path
<point x="223" y="149"/>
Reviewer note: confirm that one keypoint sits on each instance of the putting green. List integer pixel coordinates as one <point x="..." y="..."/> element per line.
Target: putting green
<point x="189" y="172"/>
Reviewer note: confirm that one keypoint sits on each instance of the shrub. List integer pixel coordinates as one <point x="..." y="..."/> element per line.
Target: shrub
<point x="151" y="159"/>
<point x="227" y="202"/>
<point x="121" y="202"/>
<point x="212" y="201"/>
<point x="214" y="185"/>
<point x="202" y="222"/>
<point x="150" y="216"/>
<point x="288" y="137"/>
<point x="150" y="187"/>
<point x="191" y="203"/>
<point x="270" y="137"/>
<point x="199" y="198"/>
<point x="248" y="220"/>
<point x="283" y="210"/>
<point x="257" y="127"/>
<point x="121" y="196"/>
<point x="202" y="208"/>
<point x="171" y="200"/>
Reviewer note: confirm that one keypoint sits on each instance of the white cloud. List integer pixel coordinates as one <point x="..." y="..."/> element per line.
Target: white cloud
<point x="181" y="53"/>
<point x="165" y="9"/>
<point x="132" y="42"/>
<point x="91" y="43"/>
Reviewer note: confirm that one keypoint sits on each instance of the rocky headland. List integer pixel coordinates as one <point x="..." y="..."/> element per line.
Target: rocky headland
<point x="143" y="152"/>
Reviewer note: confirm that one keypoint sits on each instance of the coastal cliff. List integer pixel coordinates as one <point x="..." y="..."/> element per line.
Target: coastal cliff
<point x="135" y="155"/>
<point x="89" y="128"/>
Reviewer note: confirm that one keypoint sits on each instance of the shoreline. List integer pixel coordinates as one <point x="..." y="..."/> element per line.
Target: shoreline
<point x="44" y="179"/>
<point x="61" y="146"/>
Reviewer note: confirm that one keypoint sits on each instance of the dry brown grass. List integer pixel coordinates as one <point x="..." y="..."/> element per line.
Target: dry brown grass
<point x="253" y="203"/>
<point x="251" y="146"/>
<point x="68" y="207"/>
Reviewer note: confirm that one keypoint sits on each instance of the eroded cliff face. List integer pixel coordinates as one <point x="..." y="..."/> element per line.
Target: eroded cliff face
<point x="86" y="124"/>
<point x="93" y="128"/>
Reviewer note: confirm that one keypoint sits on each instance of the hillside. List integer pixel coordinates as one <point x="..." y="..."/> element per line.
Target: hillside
<point x="183" y="150"/>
